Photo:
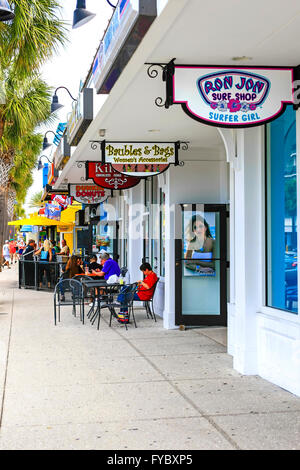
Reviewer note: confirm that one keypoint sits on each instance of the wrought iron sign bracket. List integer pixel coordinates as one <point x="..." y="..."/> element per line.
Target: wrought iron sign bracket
<point x="168" y="71"/>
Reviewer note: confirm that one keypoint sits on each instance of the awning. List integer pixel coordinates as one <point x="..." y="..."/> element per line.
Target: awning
<point x="67" y="218"/>
<point x="35" y="220"/>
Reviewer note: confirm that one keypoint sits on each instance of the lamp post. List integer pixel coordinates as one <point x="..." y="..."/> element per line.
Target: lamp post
<point x="55" y="105"/>
<point x="40" y="164"/>
<point x="82" y="16"/>
<point x="46" y="144"/>
<point x="6" y="12"/>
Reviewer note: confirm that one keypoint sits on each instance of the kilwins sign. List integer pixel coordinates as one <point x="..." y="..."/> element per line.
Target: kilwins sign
<point x="141" y="159"/>
<point x="106" y="177"/>
<point x="228" y="96"/>
<point x="88" y="193"/>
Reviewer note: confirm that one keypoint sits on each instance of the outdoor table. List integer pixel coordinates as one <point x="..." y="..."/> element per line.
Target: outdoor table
<point x="100" y="284"/>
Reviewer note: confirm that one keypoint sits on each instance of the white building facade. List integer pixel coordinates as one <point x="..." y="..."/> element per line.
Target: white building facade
<point x="242" y="180"/>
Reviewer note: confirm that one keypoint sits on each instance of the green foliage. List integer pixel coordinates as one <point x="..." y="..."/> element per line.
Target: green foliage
<point x="26" y="44"/>
<point x="33" y="37"/>
<point x="35" y="200"/>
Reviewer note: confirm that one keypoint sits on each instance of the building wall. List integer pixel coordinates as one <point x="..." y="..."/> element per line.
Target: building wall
<point x="262" y="340"/>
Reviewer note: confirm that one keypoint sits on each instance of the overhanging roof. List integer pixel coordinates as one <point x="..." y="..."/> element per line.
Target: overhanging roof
<point x="193" y="32"/>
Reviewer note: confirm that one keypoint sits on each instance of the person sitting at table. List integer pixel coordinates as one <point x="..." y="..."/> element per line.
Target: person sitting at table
<point x="93" y="265"/>
<point x="109" y="267"/>
<point x="73" y="267"/>
<point x="145" y="288"/>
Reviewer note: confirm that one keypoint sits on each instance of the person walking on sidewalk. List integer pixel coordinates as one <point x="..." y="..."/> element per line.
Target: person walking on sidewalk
<point x="6" y="254"/>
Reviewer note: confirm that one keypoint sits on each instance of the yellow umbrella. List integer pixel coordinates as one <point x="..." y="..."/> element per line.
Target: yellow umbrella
<point x="67" y="218"/>
<point x="35" y="220"/>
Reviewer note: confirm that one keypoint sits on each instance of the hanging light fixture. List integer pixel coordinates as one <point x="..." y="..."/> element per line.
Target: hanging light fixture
<point x="82" y="16"/>
<point x="46" y="144"/>
<point x="6" y="12"/>
<point x="55" y="105"/>
<point x="40" y="163"/>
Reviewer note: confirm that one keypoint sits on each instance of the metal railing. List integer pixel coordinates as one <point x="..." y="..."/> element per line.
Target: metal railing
<point x="39" y="275"/>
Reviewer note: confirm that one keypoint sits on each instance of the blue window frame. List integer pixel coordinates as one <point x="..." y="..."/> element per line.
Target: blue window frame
<point x="281" y="181"/>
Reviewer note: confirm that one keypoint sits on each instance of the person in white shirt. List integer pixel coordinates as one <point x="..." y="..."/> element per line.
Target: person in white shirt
<point x="6" y="254"/>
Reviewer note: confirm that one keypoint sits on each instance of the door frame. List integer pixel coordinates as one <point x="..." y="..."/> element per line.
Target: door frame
<point x="202" y="320"/>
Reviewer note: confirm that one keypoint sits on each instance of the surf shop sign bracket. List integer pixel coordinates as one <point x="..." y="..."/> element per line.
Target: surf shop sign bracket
<point x="226" y="96"/>
<point x="141" y="159"/>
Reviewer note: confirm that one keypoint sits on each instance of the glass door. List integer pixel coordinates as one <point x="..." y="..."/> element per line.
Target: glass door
<point x="201" y="265"/>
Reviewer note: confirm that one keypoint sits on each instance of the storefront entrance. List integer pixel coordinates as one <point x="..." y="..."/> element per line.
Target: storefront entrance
<point x="201" y="265"/>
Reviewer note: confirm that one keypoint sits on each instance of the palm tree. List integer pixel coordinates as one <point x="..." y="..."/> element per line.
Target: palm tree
<point x="33" y="37"/>
<point x="27" y="106"/>
<point x="35" y="200"/>
<point x="25" y="44"/>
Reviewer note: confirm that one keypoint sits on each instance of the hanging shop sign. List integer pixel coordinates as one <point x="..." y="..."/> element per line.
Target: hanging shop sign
<point x="89" y="193"/>
<point x="227" y="96"/>
<point x="81" y="117"/>
<point x="62" y="153"/>
<point x="128" y="25"/>
<point x="106" y="177"/>
<point x="52" y="174"/>
<point x="141" y="159"/>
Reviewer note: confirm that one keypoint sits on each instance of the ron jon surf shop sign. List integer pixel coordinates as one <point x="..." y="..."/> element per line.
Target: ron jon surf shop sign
<point x="233" y="97"/>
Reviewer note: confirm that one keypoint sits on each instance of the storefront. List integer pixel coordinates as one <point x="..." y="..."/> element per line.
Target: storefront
<point x="237" y="182"/>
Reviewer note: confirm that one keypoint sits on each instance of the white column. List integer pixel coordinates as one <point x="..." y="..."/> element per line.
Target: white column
<point x="169" y="312"/>
<point x="248" y="250"/>
<point x="135" y="232"/>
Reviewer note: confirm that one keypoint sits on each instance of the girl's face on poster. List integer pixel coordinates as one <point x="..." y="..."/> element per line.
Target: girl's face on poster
<point x="199" y="228"/>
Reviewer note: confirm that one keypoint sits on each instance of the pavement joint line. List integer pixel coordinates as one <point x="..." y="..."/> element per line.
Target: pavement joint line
<point x="201" y="413"/>
<point x="213" y="339"/>
<point x="142" y="420"/>
<point x="88" y="423"/>
<point x="7" y="359"/>
<point x="253" y="413"/>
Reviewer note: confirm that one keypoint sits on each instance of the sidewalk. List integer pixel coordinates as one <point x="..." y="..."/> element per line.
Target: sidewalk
<point x="73" y="387"/>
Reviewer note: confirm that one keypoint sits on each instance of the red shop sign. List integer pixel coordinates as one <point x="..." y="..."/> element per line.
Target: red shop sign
<point x="106" y="177"/>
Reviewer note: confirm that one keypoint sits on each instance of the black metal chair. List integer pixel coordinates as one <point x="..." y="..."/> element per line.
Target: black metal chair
<point x="128" y="293"/>
<point x="87" y="292"/>
<point x="68" y="292"/>
<point x="149" y="303"/>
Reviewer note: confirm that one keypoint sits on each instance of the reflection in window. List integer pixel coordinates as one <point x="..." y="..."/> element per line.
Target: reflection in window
<point x="282" y="261"/>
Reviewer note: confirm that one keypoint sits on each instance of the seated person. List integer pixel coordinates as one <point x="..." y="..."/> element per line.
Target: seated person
<point x="145" y="287"/>
<point x="73" y="267"/>
<point x="109" y="267"/>
<point x="93" y="265"/>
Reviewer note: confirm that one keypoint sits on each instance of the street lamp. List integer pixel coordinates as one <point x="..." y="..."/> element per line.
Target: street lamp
<point x="40" y="164"/>
<point x="55" y="105"/>
<point x="46" y="144"/>
<point x="6" y="12"/>
<point x="82" y="16"/>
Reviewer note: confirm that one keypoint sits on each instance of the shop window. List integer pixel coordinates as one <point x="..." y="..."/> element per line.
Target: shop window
<point x="281" y="179"/>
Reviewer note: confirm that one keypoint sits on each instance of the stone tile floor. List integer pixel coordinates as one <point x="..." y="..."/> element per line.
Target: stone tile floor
<point x="73" y="387"/>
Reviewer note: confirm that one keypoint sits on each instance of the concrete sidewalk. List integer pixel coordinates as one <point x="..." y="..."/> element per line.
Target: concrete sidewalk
<point x="73" y="387"/>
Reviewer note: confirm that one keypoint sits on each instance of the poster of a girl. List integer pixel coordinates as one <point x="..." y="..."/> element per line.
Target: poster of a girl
<point x="200" y="246"/>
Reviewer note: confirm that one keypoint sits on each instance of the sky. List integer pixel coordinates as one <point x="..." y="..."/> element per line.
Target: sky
<point x="70" y="66"/>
